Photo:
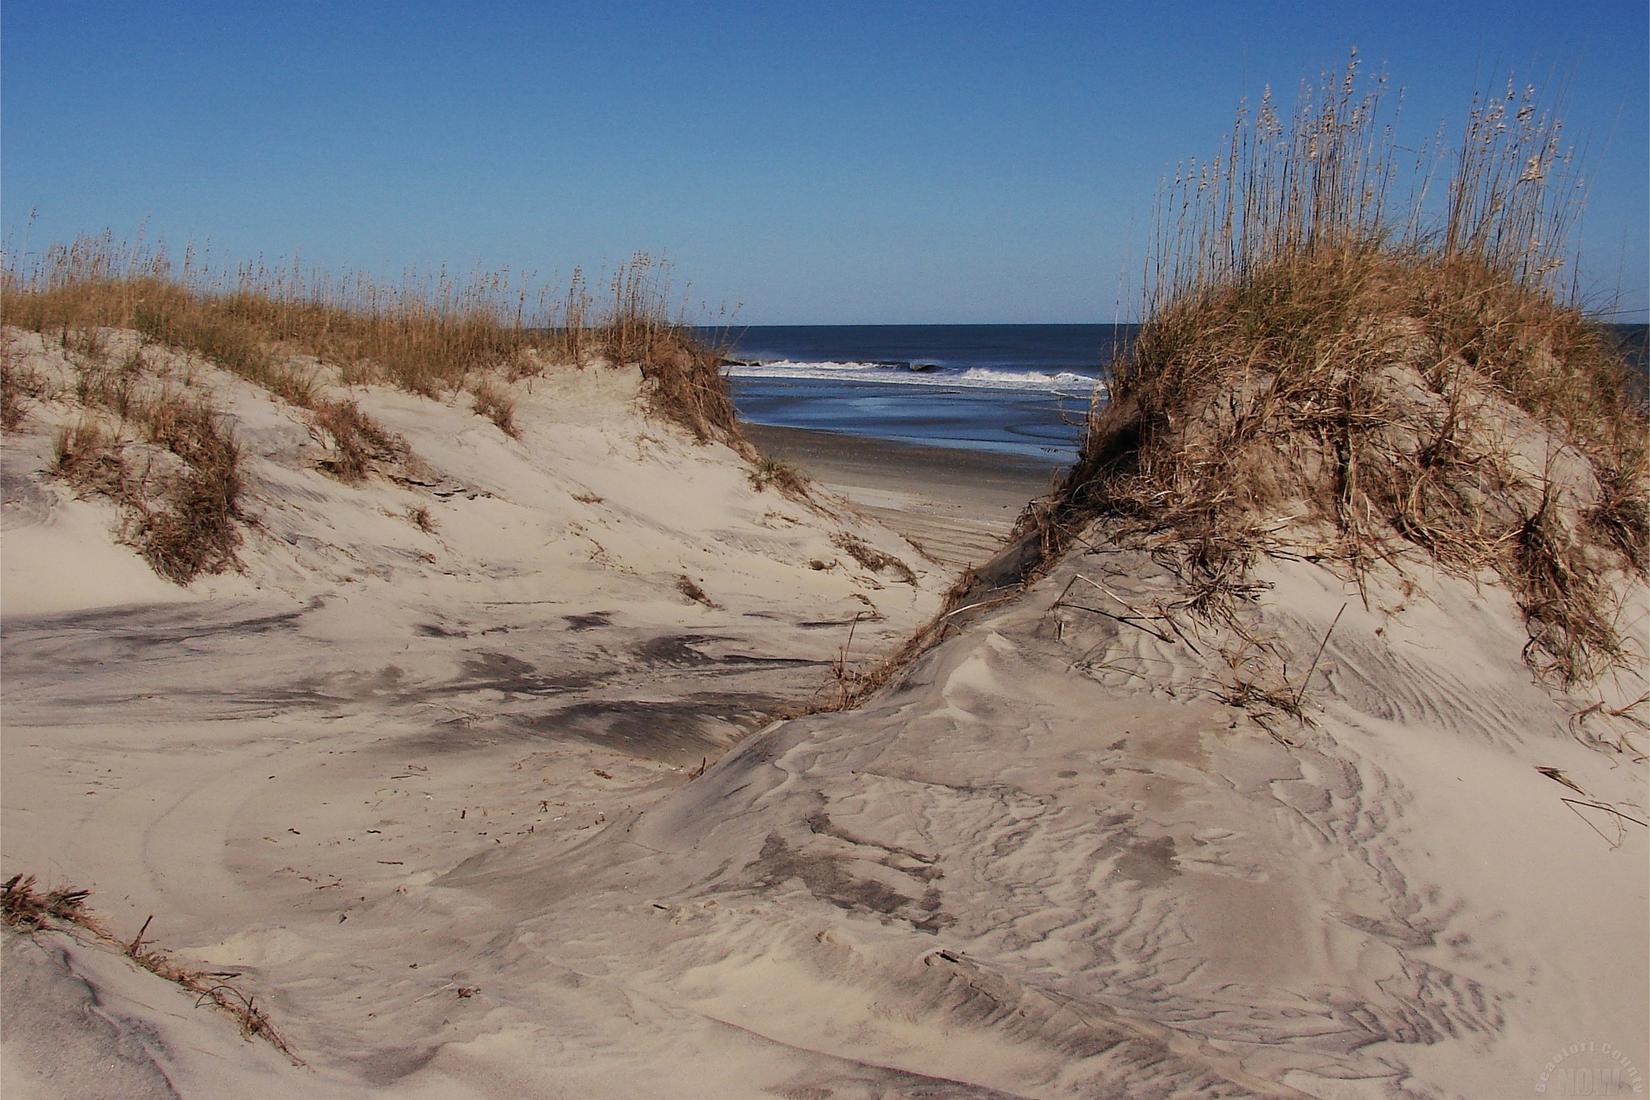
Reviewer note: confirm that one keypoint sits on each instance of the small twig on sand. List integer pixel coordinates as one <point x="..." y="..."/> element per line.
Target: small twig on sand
<point x="1607" y="809"/>
<point x="131" y="948"/>
<point x="1574" y="805"/>
<point x="1558" y="776"/>
<point x="1299" y="695"/>
<point x="981" y="603"/>
<point x="1131" y="620"/>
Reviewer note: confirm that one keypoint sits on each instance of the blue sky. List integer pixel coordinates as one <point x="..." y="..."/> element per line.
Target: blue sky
<point x="808" y="162"/>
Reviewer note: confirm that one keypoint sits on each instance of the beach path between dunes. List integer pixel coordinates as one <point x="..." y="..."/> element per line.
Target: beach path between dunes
<point x="958" y="505"/>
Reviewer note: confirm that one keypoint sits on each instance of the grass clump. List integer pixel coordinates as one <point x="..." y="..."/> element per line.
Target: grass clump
<point x="682" y="373"/>
<point x="191" y="525"/>
<point x="18" y="387"/>
<point x="1321" y="354"/>
<point x="359" y="443"/>
<point x="871" y="558"/>
<point x="26" y="910"/>
<point x="497" y="404"/>
<point x="87" y="455"/>
<point x="113" y="386"/>
<point x="766" y="471"/>
<point x="177" y="482"/>
<point x="688" y="587"/>
<point x="1620" y="517"/>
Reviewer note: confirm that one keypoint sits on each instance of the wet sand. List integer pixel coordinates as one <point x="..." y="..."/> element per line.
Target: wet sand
<point x="957" y="504"/>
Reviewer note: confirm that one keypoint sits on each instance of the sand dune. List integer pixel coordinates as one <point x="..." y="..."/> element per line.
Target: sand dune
<point x="1028" y="872"/>
<point x="371" y="699"/>
<point x="438" y="815"/>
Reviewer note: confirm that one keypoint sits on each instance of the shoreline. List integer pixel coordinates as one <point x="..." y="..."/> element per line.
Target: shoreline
<point x="957" y="504"/>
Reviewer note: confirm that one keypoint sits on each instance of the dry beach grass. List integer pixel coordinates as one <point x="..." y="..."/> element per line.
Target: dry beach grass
<point x="1320" y="353"/>
<point x="172" y="467"/>
<point x="299" y="337"/>
<point x="428" y="337"/>
<point x="26" y="909"/>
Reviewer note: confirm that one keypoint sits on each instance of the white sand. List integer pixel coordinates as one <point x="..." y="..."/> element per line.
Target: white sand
<point x="261" y="755"/>
<point x="1046" y="862"/>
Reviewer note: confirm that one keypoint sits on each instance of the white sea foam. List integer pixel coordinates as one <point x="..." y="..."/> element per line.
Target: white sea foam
<point x="982" y="378"/>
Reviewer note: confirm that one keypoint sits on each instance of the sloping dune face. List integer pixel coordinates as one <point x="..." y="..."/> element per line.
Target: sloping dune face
<point x="1049" y="863"/>
<point x="1311" y="826"/>
<point x="1334" y="837"/>
<point x="445" y="641"/>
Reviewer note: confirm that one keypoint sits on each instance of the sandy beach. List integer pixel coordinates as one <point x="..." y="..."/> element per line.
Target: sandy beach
<point x="956" y="504"/>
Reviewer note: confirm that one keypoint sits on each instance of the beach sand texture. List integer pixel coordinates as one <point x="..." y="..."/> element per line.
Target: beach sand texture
<point x="485" y="643"/>
<point x="439" y="816"/>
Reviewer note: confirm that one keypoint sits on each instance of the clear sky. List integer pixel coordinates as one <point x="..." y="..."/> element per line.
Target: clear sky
<point x="811" y="162"/>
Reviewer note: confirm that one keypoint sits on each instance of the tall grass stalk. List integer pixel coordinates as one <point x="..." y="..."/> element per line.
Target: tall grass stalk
<point x="1334" y="177"/>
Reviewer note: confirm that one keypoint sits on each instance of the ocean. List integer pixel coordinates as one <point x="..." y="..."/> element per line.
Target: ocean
<point x="1008" y="389"/>
<point x="1019" y="390"/>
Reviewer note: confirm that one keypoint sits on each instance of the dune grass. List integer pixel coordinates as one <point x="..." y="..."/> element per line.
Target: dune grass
<point x="171" y="466"/>
<point x="1337" y="339"/>
<point x="293" y="334"/>
<point x="497" y="404"/>
<point x="432" y="337"/>
<point x="359" y="443"/>
<point x="19" y="388"/>
<point x="781" y="475"/>
<point x="873" y="559"/>
<point x="161" y="453"/>
<point x="27" y="910"/>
